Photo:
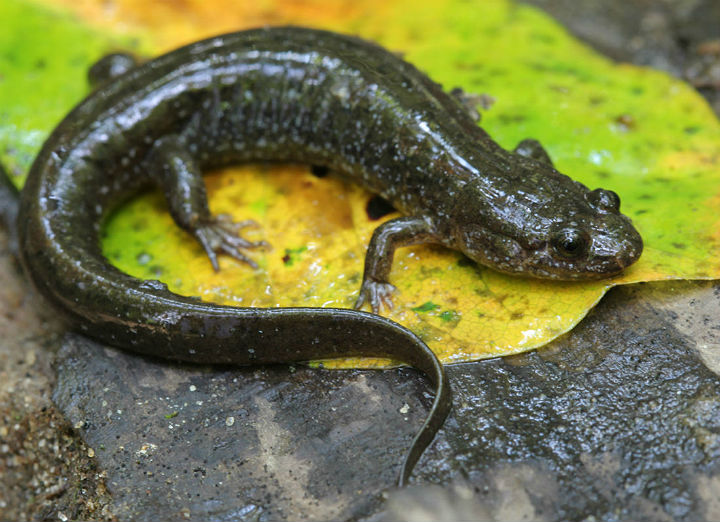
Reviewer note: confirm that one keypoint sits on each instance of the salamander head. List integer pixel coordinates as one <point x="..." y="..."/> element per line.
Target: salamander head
<point x="588" y="246"/>
<point x="560" y="231"/>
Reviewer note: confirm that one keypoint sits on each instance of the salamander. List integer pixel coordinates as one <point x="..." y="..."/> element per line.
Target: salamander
<point x="295" y="95"/>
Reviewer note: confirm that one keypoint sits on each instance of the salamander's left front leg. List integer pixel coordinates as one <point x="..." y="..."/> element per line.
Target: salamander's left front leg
<point x="376" y="288"/>
<point x="180" y="178"/>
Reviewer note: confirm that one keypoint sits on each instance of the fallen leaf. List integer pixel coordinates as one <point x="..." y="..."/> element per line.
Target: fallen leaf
<point x="639" y="132"/>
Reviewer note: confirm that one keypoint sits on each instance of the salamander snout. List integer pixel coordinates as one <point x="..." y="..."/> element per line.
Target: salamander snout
<point x="619" y="239"/>
<point x="600" y="246"/>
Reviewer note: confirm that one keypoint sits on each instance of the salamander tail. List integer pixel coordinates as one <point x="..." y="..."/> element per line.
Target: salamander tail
<point x="435" y="419"/>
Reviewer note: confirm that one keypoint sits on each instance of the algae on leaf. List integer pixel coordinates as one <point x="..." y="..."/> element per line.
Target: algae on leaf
<point x="44" y="58"/>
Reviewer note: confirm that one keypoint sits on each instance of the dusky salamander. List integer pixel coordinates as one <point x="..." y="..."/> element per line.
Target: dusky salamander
<point x="296" y="95"/>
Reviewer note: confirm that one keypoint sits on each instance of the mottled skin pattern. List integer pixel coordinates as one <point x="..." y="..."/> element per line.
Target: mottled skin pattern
<point x="291" y="94"/>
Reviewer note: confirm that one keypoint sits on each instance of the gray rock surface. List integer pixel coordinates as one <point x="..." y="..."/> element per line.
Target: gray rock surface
<point x="269" y="443"/>
<point x="619" y="420"/>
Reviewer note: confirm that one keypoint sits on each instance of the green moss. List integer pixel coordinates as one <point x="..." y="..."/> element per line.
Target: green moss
<point x="429" y="306"/>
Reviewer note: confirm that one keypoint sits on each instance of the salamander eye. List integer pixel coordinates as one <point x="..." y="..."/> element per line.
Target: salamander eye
<point x="603" y="200"/>
<point x="570" y="243"/>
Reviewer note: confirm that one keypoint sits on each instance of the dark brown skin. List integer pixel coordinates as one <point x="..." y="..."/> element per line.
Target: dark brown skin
<point x="300" y="95"/>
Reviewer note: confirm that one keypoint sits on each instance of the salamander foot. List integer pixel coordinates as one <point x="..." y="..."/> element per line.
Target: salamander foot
<point x="221" y="234"/>
<point x="377" y="293"/>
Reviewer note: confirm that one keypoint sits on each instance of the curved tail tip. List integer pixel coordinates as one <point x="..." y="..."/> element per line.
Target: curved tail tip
<point x="434" y="421"/>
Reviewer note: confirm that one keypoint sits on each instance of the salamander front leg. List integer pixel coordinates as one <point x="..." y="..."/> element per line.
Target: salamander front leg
<point x="376" y="288"/>
<point x="180" y="178"/>
<point x="531" y="148"/>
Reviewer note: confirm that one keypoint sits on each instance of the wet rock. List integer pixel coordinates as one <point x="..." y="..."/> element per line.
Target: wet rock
<point x="618" y="420"/>
<point x="271" y="443"/>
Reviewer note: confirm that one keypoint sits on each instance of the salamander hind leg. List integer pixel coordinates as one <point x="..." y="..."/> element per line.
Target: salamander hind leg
<point x="177" y="172"/>
<point x="110" y="67"/>
<point x="469" y="102"/>
<point x="221" y="234"/>
<point x="376" y="288"/>
<point x="9" y="208"/>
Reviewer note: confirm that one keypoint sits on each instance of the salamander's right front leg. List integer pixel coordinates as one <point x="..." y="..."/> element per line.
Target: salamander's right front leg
<point x="181" y="180"/>
<point x="404" y="231"/>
